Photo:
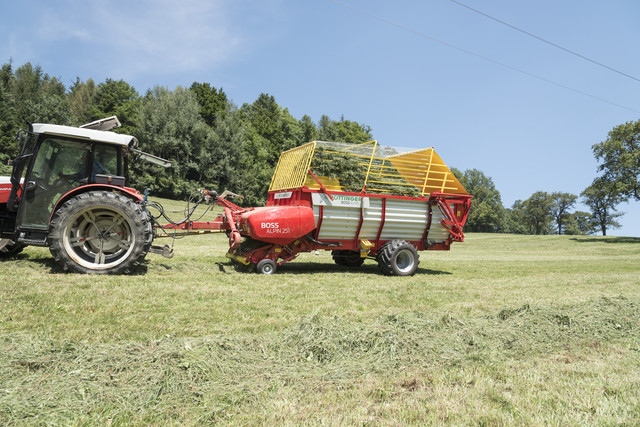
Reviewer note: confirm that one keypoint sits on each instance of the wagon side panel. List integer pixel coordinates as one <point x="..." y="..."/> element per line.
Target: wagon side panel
<point x="405" y="219"/>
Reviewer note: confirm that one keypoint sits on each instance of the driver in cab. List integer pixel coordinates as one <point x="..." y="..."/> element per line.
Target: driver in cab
<point x="96" y="168"/>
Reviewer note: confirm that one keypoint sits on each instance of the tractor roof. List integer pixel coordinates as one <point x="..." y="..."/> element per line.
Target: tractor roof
<point x="89" y="134"/>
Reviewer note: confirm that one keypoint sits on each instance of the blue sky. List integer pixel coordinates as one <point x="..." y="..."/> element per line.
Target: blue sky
<point x="523" y="112"/>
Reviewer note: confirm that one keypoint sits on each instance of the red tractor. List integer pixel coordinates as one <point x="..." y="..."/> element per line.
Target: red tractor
<point x="68" y="192"/>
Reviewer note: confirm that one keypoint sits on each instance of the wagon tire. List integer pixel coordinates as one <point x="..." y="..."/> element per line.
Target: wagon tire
<point x="266" y="266"/>
<point x="398" y="258"/>
<point x="347" y="258"/>
<point x="9" y="248"/>
<point x="100" y="232"/>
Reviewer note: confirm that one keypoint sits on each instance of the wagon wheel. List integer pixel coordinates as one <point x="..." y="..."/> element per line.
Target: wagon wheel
<point x="398" y="258"/>
<point x="9" y="248"/>
<point x="100" y="232"/>
<point x="266" y="266"/>
<point x="347" y="258"/>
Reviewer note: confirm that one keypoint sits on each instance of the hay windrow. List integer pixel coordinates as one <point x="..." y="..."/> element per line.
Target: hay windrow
<point x="43" y="379"/>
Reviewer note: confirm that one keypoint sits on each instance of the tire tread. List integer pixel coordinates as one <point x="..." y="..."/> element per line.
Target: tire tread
<point x="142" y="227"/>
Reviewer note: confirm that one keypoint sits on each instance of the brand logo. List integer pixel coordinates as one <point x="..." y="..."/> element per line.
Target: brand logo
<point x="286" y="195"/>
<point x="340" y="200"/>
<point x="274" y="228"/>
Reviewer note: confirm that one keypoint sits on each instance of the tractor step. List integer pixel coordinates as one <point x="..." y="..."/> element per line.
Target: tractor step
<point x="33" y="238"/>
<point x="165" y="251"/>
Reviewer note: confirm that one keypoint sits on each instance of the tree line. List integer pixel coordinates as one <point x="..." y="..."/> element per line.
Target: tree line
<point x="548" y="213"/>
<point x="211" y="142"/>
<point x="542" y="213"/>
<point x="216" y="144"/>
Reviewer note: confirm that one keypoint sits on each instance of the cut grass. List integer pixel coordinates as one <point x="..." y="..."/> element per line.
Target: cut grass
<point x="501" y="330"/>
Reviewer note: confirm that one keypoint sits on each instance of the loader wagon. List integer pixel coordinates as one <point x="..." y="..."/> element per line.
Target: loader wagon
<point x="69" y="191"/>
<point x="358" y="200"/>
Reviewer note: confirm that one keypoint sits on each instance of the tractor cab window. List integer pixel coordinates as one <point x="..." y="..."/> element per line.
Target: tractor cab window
<point x="60" y="159"/>
<point x="59" y="166"/>
<point x="105" y="161"/>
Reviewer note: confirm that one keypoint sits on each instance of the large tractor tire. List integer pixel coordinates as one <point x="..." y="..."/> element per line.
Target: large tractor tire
<point x="398" y="258"/>
<point x="347" y="258"/>
<point x="9" y="248"/>
<point x="100" y="232"/>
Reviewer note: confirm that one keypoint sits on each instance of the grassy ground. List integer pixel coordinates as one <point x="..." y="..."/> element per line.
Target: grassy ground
<point x="501" y="330"/>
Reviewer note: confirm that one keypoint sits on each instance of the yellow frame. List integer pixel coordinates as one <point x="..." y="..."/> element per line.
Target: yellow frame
<point x="422" y="170"/>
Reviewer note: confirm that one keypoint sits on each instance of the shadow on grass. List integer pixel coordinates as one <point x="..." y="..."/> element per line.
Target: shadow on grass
<point x="55" y="268"/>
<point x="46" y="262"/>
<point x="367" y="268"/>
<point x="612" y="239"/>
<point x="231" y="268"/>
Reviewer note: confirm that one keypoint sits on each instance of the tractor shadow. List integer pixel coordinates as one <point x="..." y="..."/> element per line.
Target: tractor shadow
<point x="55" y="268"/>
<point x="612" y="239"/>
<point x="46" y="262"/>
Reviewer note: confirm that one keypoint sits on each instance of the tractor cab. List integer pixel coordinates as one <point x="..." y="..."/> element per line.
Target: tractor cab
<point x="58" y="162"/>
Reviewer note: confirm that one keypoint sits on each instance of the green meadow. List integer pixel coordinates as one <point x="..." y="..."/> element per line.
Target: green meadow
<point x="501" y="330"/>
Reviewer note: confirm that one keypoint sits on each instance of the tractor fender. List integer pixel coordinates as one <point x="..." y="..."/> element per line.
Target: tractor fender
<point x="126" y="191"/>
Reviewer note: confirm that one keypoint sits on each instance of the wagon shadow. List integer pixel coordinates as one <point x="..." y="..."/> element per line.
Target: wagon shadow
<point x="314" y="267"/>
<point x="612" y="239"/>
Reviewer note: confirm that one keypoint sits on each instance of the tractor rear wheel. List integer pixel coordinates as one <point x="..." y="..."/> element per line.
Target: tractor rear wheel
<point x="398" y="258"/>
<point x="100" y="232"/>
<point x="347" y="258"/>
<point x="9" y="248"/>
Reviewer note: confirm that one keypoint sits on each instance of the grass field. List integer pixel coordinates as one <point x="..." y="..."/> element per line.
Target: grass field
<point x="500" y="330"/>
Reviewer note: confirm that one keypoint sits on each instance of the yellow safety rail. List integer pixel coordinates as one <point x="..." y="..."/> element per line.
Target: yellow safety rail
<point x="352" y="167"/>
<point x="292" y="168"/>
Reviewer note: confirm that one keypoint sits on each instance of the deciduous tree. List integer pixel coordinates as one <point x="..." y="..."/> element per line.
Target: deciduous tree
<point x="308" y="130"/>
<point x="343" y="131"/>
<point x="116" y="98"/>
<point x="602" y="201"/>
<point x="561" y="203"/>
<point x="38" y="98"/>
<point x="81" y="97"/>
<point x="536" y="213"/>
<point x="579" y="222"/>
<point x="620" y="160"/>
<point x="7" y="125"/>
<point x="213" y="102"/>
<point x="169" y="125"/>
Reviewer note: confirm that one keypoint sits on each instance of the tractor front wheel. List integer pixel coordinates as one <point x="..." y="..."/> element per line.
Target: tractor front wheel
<point x="398" y="258"/>
<point x="100" y="232"/>
<point x="9" y="248"/>
<point x="347" y="258"/>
